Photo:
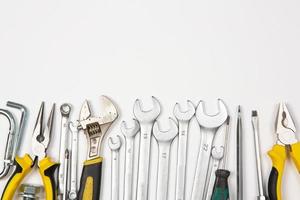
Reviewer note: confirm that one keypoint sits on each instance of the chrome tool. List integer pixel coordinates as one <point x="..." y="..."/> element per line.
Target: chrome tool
<point x="73" y="161"/>
<point x="255" y="126"/>
<point x="129" y="134"/>
<point x="65" y="110"/>
<point x="94" y="128"/>
<point x="146" y="120"/>
<point x="239" y="153"/>
<point x="208" y="126"/>
<point x="15" y="135"/>
<point x="183" y="118"/>
<point x="114" y="143"/>
<point x="164" y="139"/>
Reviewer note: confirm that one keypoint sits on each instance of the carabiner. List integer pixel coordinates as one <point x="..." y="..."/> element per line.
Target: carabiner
<point x="8" y="156"/>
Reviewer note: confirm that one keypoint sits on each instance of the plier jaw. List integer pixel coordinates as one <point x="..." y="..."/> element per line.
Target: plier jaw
<point x="41" y="136"/>
<point x="285" y="127"/>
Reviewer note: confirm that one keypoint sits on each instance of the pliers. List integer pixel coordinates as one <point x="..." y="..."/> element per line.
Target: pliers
<point x="287" y="146"/>
<point x="40" y="141"/>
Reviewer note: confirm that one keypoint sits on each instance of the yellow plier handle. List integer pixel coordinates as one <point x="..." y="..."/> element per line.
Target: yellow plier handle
<point x="47" y="171"/>
<point x="278" y="155"/>
<point x="23" y="167"/>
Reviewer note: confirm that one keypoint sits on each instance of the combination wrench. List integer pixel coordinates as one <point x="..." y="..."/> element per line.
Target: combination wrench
<point x="183" y="117"/>
<point x="129" y="134"/>
<point x="208" y="125"/>
<point x="218" y="153"/>
<point x="114" y="143"/>
<point x="164" y="140"/>
<point x="146" y="120"/>
<point x="74" y="161"/>
<point x="65" y="110"/>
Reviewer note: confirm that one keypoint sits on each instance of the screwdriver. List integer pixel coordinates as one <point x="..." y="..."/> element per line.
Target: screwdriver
<point x="221" y="189"/>
<point x="255" y="126"/>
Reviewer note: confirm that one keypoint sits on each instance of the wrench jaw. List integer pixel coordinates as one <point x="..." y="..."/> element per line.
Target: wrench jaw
<point x="184" y="115"/>
<point x="165" y="135"/>
<point x="95" y="127"/>
<point x="148" y="115"/>
<point x="211" y="121"/>
<point x="130" y="132"/>
<point x="114" y="142"/>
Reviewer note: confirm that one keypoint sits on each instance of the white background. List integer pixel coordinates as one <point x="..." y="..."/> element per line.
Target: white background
<point x="246" y="52"/>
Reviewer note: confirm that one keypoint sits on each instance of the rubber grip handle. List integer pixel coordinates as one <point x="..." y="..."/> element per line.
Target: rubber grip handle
<point x="221" y="191"/>
<point x="47" y="170"/>
<point x="278" y="156"/>
<point x="23" y="167"/>
<point x="91" y="180"/>
<point x="295" y="155"/>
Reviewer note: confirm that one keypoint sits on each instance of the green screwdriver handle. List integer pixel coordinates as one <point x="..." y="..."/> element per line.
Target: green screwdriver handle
<point x="221" y="191"/>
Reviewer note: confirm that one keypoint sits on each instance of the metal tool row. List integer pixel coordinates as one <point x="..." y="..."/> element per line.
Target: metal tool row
<point x="210" y="177"/>
<point x="60" y="180"/>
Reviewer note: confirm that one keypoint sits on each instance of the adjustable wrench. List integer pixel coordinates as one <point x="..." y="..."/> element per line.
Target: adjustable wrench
<point x="146" y="120"/>
<point x="208" y="125"/>
<point x="74" y="161"/>
<point x="183" y="118"/>
<point x="129" y="134"/>
<point x="164" y="140"/>
<point x="65" y="110"/>
<point x="94" y="128"/>
<point x="114" y="143"/>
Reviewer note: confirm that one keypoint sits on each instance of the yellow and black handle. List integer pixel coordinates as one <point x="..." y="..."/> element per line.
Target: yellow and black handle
<point x="47" y="170"/>
<point x="278" y="155"/>
<point x="91" y="180"/>
<point x="23" y="167"/>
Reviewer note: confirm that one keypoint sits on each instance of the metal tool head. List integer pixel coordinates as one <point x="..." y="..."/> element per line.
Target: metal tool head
<point x="65" y="109"/>
<point x="108" y="113"/>
<point x="41" y="136"/>
<point x="211" y="121"/>
<point x="184" y="115"/>
<point x="165" y="135"/>
<point x="130" y="131"/>
<point x="285" y="127"/>
<point x="149" y="115"/>
<point x="114" y="142"/>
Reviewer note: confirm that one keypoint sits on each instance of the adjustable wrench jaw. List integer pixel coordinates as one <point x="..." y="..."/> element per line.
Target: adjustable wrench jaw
<point x="95" y="127"/>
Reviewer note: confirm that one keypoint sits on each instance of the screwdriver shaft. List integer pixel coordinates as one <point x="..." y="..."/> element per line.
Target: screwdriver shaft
<point x="255" y="126"/>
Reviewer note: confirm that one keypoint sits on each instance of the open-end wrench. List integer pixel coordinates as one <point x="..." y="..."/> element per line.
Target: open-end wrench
<point x="208" y="125"/>
<point x="164" y="139"/>
<point x="65" y="110"/>
<point x="183" y="118"/>
<point x="114" y="143"/>
<point x="129" y="134"/>
<point x="146" y="120"/>
<point x="74" y="161"/>
<point x="217" y="155"/>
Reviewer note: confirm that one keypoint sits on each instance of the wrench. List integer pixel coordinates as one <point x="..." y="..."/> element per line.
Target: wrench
<point x="217" y="155"/>
<point x="114" y="143"/>
<point x="74" y="161"/>
<point x="183" y="118"/>
<point x="129" y="134"/>
<point x="164" y="140"/>
<point x="65" y="110"/>
<point x="206" y="122"/>
<point x="146" y="120"/>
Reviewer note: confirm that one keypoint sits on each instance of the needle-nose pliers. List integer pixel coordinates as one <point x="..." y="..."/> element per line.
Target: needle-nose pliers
<point x="287" y="146"/>
<point x="40" y="141"/>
